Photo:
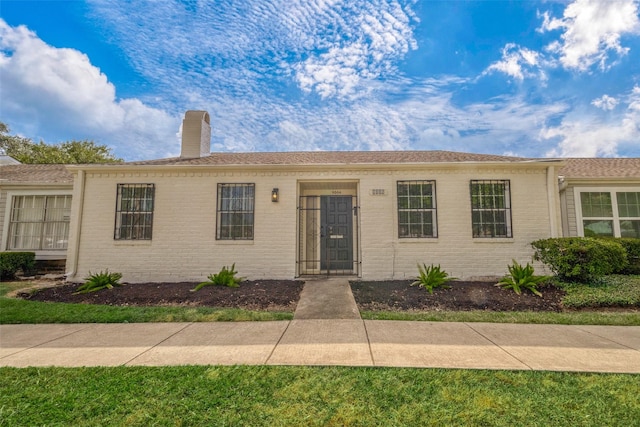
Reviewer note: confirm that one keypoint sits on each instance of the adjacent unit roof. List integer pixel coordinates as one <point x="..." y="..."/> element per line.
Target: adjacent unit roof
<point x="601" y="168"/>
<point x="34" y="174"/>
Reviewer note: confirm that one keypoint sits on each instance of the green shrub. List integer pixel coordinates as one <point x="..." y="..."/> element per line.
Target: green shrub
<point x="632" y="246"/>
<point x="580" y="258"/>
<point x="97" y="281"/>
<point x="522" y="278"/>
<point x="226" y="277"/>
<point x="432" y="277"/>
<point x="11" y="262"/>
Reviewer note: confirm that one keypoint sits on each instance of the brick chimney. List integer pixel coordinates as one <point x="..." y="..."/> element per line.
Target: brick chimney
<point x="196" y="135"/>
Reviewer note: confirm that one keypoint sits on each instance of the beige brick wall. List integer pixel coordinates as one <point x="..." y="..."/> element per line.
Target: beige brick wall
<point x="184" y="247"/>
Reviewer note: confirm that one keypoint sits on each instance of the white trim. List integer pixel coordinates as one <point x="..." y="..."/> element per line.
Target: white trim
<point x="614" y="206"/>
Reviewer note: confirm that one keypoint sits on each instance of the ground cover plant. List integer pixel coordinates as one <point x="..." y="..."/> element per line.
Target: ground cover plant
<point x="313" y="396"/>
<point x="608" y="291"/>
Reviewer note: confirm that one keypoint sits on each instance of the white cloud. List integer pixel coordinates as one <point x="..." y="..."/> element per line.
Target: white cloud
<point x="591" y="136"/>
<point x="592" y="31"/>
<point x="333" y="48"/>
<point x="606" y="102"/>
<point x="518" y="62"/>
<point x="377" y="34"/>
<point x="59" y="89"/>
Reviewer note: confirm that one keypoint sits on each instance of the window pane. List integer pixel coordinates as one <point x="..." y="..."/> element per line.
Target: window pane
<point x="628" y="204"/>
<point x="490" y="208"/>
<point x="596" y="204"/>
<point x="594" y="228"/>
<point x="39" y="222"/>
<point x="235" y="211"/>
<point x="416" y="209"/>
<point x="629" y="228"/>
<point x="134" y="212"/>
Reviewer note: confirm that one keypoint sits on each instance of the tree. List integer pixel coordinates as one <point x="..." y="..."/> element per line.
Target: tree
<point x="25" y="150"/>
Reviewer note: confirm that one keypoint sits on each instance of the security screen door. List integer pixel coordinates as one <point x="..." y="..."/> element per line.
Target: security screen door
<point x="336" y="234"/>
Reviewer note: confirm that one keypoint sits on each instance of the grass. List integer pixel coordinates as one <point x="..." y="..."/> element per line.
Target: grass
<point x="565" y="318"/>
<point x="313" y="396"/>
<point x="14" y="311"/>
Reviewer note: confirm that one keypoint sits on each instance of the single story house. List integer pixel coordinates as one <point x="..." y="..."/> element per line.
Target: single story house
<point x="600" y="197"/>
<point x="373" y="215"/>
<point x="35" y="208"/>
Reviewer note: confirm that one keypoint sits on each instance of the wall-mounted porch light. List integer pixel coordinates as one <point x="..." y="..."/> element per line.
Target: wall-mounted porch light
<point x="274" y="195"/>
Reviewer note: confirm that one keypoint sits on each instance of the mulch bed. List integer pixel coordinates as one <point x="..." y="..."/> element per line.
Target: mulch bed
<point x="397" y="295"/>
<point x="271" y="295"/>
<point x="283" y="295"/>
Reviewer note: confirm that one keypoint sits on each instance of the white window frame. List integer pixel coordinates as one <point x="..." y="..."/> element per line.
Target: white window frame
<point x="614" y="206"/>
<point x="10" y="196"/>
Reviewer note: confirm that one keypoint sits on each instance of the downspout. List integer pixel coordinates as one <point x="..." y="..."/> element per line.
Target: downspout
<point x="552" y="200"/>
<point x="78" y="225"/>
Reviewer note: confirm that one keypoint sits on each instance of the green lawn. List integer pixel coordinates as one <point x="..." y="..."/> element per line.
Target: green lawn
<point x="313" y="396"/>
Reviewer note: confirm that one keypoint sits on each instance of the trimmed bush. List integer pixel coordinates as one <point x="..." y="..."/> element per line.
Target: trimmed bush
<point x="580" y="258"/>
<point x="632" y="246"/>
<point x="11" y="262"/>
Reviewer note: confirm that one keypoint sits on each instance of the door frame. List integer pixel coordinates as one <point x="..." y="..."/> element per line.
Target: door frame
<point x="309" y="221"/>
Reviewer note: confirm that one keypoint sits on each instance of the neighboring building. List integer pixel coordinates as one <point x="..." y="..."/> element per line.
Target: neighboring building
<point x="35" y="206"/>
<point x="374" y="215"/>
<point x="600" y="197"/>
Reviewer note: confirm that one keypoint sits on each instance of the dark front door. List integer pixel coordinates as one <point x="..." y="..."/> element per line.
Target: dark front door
<point x="336" y="231"/>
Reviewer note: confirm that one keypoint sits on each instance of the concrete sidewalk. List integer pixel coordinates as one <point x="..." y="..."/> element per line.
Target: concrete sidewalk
<point x="347" y="342"/>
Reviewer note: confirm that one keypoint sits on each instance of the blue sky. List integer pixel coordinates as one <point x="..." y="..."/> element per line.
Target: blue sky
<point x="534" y="79"/>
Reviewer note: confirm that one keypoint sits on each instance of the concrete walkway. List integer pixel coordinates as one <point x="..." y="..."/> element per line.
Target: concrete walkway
<point x="347" y="342"/>
<point x="326" y="330"/>
<point x="326" y="298"/>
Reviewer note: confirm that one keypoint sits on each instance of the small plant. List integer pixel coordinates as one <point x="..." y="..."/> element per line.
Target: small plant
<point x="432" y="277"/>
<point x="97" y="281"/>
<point x="522" y="278"/>
<point x="226" y="277"/>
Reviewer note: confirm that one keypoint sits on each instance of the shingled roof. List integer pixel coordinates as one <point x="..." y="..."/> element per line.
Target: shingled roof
<point x="333" y="158"/>
<point x="601" y="168"/>
<point x="35" y="174"/>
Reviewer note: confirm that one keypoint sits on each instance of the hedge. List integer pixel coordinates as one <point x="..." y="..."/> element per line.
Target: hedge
<point x="581" y="258"/>
<point x="632" y="246"/>
<point x="11" y="262"/>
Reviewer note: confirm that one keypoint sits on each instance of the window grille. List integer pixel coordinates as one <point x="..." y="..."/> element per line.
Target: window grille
<point x="235" y="211"/>
<point x="134" y="212"/>
<point x="417" y="209"/>
<point x="491" y="208"/>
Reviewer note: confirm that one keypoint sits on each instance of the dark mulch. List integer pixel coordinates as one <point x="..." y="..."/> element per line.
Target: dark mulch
<point x="283" y="295"/>
<point x="462" y="296"/>
<point x="272" y="295"/>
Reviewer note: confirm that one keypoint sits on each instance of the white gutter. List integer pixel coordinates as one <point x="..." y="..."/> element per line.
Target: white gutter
<point x="78" y="224"/>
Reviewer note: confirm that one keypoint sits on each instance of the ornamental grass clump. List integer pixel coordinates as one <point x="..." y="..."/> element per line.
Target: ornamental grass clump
<point x="522" y="278"/>
<point x="432" y="277"/>
<point x="226" y="277"/>
<point x="97" y="281"/>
